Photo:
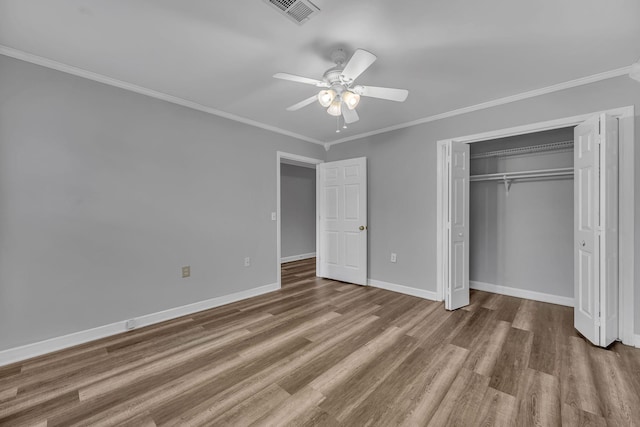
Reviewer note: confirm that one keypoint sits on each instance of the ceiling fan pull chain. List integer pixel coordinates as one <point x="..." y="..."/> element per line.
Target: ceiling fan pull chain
<point x="337" y="124"/>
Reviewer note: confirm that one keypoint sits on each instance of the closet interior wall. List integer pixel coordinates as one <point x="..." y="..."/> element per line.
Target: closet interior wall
<point x="522" y="238"/>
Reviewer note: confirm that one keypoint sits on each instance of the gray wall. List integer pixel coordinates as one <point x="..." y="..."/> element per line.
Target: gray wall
<point x="523" y="240"/>
<point x="402" y="175"/>
<point x="105" y="194"/>
<point x="297" y="210"/>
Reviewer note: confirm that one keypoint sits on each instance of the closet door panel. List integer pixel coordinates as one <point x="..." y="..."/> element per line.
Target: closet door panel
<point x="458" y="250"/>
<point x="586" y="219"/>
<point x="609" y="225"/>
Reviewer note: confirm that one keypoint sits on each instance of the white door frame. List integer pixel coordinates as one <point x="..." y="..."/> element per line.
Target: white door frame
<point x="626" y="116"/>
<point x="299" y="159"/>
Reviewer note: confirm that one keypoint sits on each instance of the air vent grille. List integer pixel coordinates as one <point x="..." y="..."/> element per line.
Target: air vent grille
<point x="282" y="4"/>
<point x="298" y="11"/>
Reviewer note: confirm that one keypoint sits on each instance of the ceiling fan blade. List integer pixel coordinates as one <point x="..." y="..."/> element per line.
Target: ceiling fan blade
<point x="300" y="79"/>
<point x="391" y="94"/>
<point x="304" y="103"/>
<point x="360" y="61"/>
<point x="350" y="116"/>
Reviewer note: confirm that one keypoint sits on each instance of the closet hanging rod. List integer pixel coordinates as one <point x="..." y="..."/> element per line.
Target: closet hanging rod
<point x="553" y="146"/>
<point x="540" y="173"/>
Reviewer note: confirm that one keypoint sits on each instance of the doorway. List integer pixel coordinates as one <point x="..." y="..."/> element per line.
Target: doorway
<point x="341" y="217"/>
<point x="284" y="161"/>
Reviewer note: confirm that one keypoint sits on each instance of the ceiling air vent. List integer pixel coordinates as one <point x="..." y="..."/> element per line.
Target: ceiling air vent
<point x="299" y="11"/>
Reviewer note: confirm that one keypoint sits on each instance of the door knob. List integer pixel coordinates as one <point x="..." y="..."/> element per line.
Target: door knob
<point x="459" y="234"/>
<point x="582" y="243"/>
<point x="362" y="228"/>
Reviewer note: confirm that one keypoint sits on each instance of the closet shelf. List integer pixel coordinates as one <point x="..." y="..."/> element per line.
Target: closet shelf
<point x="508" y="176"/>
<point x="554" y="146"/>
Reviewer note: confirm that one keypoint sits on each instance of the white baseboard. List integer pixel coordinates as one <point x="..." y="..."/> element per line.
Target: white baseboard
<point x="521" y="293"/>
<point x="636" y="341"/>
<point x="28" y="351"/>
<point x="297" y="257"/>
<point x="430" y="295"/>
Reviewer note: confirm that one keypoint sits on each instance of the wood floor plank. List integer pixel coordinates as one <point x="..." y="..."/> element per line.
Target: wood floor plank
<point x="497" y="409"/>
<point x="620" y="402"/>
<point x="8" y="393"/>
<point x="578" y="384"/>
<point x="513" y="360"/>
<point x="505" y="307"/>
<point x="430" y="387"/>
<point x="253" y="408"/>
<point x="462" y="402"/>
<point x="298" y="406"/>
<point x="325" y="353"/>
<point x="39" y="413"/>
<point x="342" y="400"/>
<point x="526" y="316"/>
<point x="488" y="346"/>
<point x="473" y="329"/>
<point x="548" y="343"/>
<point x="575" y="417"/>
<point x="300" y="377"/>
<point x="539" y="400"/>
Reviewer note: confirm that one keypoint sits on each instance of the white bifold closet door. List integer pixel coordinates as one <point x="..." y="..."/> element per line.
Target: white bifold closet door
<point x="457" y="235"/>
<point x="596" y="229"/>
<point x="342" y="244"/>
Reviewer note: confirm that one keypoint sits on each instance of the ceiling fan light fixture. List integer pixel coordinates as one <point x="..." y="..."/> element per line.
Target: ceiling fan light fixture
<point x="326" y="97"/>
<point x="635" y="71"/>
<point x="335" y="109"/>
<point x="351" y="99"/>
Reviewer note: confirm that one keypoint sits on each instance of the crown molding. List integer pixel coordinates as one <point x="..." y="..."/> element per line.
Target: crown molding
<point x="494" y="103"/>
<point x="49" y="63"/>
<point x="45" y="62"/>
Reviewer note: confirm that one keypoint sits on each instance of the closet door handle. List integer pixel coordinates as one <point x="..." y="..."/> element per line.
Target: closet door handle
<point x="583" y="244"/>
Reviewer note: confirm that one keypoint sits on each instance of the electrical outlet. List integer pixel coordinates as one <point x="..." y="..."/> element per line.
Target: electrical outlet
<point x="247" y="262"/>
<point x="131" y="324"/>
<point x="394" y="257"/>
<point x="186" y="271"/>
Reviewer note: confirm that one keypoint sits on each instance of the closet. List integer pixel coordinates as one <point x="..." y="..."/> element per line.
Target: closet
<point x="536" y="215"/>
<point x="521" y="216"/>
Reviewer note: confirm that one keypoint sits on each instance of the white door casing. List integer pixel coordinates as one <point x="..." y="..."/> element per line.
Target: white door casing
<point x="457" y="294"/>
<point x="596" y="311"/>
<point x="342" y="220"/>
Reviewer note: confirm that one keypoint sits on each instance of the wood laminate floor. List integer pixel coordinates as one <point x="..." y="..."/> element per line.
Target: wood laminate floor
<point x="327" y="353"/>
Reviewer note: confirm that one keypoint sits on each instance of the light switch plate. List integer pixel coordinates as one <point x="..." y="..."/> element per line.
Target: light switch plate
<point x="274" y="216"/>
<point x="186" y="271"/>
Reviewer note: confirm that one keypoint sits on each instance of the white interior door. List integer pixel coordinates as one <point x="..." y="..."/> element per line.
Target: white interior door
<point x="343" y="220"/>
<point x="457" y="285"/>
<point x="596" y="233"/>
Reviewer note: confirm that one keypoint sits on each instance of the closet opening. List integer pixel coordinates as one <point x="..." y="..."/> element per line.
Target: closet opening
<point x="521" y="214"/>
<point x="517" y="251"/>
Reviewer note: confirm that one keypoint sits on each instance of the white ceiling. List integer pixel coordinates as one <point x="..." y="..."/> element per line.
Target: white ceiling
<point x="449" y="54"/>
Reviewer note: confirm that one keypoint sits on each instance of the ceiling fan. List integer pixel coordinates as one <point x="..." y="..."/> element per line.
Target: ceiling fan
<point x="339" y="94"/>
